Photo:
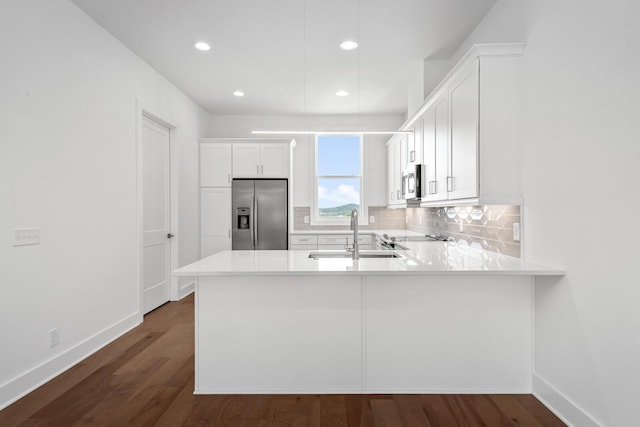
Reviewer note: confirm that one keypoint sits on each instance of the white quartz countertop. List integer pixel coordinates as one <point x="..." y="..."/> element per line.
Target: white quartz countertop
<point x="422" y="258"/>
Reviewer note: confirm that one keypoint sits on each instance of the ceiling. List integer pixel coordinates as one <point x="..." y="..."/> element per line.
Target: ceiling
<point x="284" y="54"/>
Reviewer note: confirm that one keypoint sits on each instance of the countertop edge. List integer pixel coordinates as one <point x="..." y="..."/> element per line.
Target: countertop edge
<point x="548" y="273"/>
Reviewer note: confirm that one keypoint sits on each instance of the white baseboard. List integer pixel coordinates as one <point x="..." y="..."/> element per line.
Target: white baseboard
<point x="186" y="289"/>
<point x="34" y="378"/>
<point x="563" y="407"/>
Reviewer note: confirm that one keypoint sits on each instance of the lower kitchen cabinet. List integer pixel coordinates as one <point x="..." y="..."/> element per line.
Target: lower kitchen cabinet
<point x="445" y="333"/>
<point x="329" y="241"/>
<point x="448" y="334"/>
<point x="303" y="242"/>
<point x="215" y="220"/>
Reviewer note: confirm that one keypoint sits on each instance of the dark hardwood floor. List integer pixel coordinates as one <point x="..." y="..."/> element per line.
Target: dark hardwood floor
<point x="146" y="378"/>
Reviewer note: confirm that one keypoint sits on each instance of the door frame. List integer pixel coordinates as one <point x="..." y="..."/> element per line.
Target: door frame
<point x="145" y="110"/>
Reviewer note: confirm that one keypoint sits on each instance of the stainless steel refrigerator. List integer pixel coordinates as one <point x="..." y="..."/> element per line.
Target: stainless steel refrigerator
<point x="259" y="214"/>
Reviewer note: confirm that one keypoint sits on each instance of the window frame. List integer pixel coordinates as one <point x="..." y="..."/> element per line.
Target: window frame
<point x="316" y="218"/>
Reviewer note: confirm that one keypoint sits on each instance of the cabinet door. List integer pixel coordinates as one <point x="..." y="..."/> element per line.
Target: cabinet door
<point x="464" y="98"/>
<point x="215" y="220"/>
<point x="404" y="152"/>
<point x="391" y="193"/>
<point x="274" y="160"/>
<point x="429" y="152"/>
<point x="415" y="144"/>
<point x="246" y="160"/>
<point x="398" y="168"/>
<point x="441" y="145"/>
<point x="215" y="165"/>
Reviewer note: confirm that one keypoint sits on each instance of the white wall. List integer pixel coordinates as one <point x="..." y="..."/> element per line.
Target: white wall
<point x="415" y="87"/>
<point x="581" y="152"/>
<point x="68" y="166"/>
<point x="238" y="126"/>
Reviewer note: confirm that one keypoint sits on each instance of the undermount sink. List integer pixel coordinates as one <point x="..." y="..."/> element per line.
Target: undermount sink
<point x="363" y="254"/>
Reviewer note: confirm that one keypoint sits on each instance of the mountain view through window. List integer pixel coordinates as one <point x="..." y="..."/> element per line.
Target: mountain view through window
<point x="339" y="175"/>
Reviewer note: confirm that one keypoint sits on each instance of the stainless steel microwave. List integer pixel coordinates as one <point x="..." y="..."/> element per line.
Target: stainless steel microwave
<point x="413" y="182"/>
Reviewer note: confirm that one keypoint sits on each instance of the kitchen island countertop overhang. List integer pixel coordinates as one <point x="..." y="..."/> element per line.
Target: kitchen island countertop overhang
<point x="422" y="258"/>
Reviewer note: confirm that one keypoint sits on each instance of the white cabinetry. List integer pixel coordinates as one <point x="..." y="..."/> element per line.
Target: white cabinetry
<point x="436" y="149"/>
<point x="394" y="171"/>
<point x="215" y="165"/>
<point x="470" y="130"/>
<point x="260" y="160"/>
<point x="303" y="242"/>
<point x="462" y="182"/>
<point x="415" y="143"/>
<point x="221" y="160"/>
<point x="215" y="220"/>
<point x="246" y="160"/>
<point x="312" y="242"/>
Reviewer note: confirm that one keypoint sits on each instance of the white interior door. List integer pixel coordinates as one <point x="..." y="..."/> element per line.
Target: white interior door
<point x="156" y="214"/>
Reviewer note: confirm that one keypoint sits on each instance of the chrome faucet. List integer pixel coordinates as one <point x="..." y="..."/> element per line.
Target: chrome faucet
<point x="354" y="227"/>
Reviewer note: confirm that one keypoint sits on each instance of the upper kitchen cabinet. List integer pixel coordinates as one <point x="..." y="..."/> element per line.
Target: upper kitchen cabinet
<point x="470" y="130"/>
<point x="215" y="164"/>
<point x="436" y="149"/>
<point x="394" y="171"/>
<point x="415" y="143"/>
<point x="462" y="180"/>
<point x="261" y="160"/>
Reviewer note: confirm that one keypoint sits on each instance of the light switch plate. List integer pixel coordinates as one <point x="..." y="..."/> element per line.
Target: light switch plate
<point x="26" y="236"/>
<point x="372" y="219"/>
<point x="461" y="226"/>
<point x="306" y="219"/>
<point x="516" y="231"/>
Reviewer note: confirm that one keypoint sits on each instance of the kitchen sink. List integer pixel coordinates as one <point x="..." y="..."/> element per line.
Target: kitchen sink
<point x="363" y="254"/>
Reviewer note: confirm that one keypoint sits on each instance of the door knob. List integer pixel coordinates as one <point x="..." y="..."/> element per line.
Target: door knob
<point x="169" y="235"/>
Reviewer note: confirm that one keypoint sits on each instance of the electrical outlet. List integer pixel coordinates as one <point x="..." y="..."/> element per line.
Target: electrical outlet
<point x="516" y="231"/>
<point x="26" y="236"/>
<point x="372" y="219"/>
<point x="306" y="219"/>
<point x="461" y="226"/>
<point x="406" y="219"/>
<point x="54" y="338"/>
<point x="420" y="220"/>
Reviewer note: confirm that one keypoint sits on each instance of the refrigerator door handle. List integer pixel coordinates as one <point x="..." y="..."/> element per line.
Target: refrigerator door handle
<point x="255" y="227"/>
<point x="252" y="218"/>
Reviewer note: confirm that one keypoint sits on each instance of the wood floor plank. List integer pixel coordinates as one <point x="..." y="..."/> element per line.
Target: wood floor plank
<point x="539" y="411"/>
<point x="438" y="411"/>
<point x="411" y="410"/>
<point x="307" y="412"/>
<point x="146" y="377"/>
<point x="333" y="412"/>
<point x="512" y="409"/>
<point x="385" y="413"/>
<point x="179" y="409"/>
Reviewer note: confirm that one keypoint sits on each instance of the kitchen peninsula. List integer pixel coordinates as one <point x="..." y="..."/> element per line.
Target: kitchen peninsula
<point x="441" y="318"/>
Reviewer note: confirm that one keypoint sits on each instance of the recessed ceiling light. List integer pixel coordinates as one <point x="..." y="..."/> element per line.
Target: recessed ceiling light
<point x="202" y="46"/>
<point x="342" y="93"/>
<point x="348" y="45"/>
<point x="238" y="93"/>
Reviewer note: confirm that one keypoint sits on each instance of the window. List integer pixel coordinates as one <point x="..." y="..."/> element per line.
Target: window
<point x="338" y="183"/>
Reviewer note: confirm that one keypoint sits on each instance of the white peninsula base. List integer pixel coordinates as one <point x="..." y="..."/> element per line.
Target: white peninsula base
<point x="364" y="334"/>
